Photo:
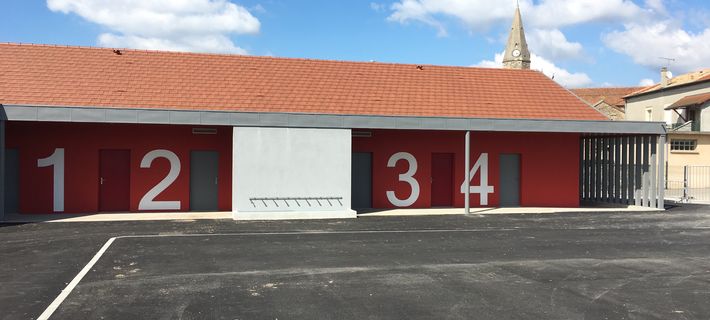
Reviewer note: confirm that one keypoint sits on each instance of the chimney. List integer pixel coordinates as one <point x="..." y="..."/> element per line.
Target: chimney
<point x="664" y="77"/>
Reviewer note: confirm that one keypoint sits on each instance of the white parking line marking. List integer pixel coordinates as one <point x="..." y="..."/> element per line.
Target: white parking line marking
<point x="63" y="295"/>
<point x="314" y="233"/>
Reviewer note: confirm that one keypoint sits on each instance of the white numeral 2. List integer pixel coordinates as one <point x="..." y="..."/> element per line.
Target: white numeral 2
<point x="407" y="177"/>
<point x="56" y="161"/>
<point x="484" y="189"/>
<point x="148" y="201"/>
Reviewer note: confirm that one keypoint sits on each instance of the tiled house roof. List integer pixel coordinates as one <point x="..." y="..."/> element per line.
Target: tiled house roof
<point x="43" y="75"/>
<point x="681" y="80"/>
<point x="613" y="96"/>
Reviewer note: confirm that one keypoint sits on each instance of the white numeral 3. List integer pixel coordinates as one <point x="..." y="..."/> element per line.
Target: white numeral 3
<point x="407" y="177"/>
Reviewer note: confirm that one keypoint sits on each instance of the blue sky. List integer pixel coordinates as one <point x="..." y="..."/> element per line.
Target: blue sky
<point x="582" y="42"/>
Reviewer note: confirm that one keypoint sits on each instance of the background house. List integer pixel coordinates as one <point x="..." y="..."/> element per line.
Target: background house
<point x="682" y="103"/>
<point x="608" y="101"/>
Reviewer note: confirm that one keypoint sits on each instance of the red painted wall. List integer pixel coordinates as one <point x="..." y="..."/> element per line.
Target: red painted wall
<point x="82" y="142"/>
<point x="549" y="165"/>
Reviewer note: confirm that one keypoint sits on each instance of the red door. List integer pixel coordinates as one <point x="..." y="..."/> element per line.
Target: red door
<point x="442" y="191"/>
<point x="114" y="180"/>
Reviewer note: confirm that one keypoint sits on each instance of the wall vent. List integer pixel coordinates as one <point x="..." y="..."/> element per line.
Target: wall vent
<point x="362" y="134"/>
<point x="204" y="131"/>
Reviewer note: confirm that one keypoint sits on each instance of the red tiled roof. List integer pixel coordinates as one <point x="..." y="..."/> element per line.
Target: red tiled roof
<point x="613" y="96"/>
<point x="696" y="99"/>
<point x="95" y="77"/>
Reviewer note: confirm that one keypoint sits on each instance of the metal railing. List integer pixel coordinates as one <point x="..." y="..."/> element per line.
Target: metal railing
<point x="685" y="126"/>
<point x="692" y="186"/>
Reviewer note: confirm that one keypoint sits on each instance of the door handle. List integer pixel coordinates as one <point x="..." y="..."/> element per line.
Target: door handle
<point x="216" y="180"/>
<point x="102" y="180"/>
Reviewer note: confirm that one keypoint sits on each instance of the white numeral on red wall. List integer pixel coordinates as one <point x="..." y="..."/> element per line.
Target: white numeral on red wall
<point x="484" y="189"/>
<point x="56" y="161"/>
<point x="148" y="201"/>
<point x="480" y="166"/>
<point x="407" y="177"/>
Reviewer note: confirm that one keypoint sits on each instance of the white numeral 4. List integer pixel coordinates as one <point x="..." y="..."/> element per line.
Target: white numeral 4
<point x="484" y="189"/>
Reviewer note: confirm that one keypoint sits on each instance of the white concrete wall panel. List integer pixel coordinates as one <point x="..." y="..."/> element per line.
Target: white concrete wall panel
<point x="288" y="169"/>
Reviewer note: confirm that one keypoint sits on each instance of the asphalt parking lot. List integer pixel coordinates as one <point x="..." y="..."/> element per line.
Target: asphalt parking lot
<point x="551" y="266"/>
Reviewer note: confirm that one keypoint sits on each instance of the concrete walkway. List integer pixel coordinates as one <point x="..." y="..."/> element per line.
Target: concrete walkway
<point x="64" y="217"/>
<point x="487" y="211"/>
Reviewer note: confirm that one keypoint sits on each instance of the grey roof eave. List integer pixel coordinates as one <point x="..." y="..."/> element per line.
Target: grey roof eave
<point x="303" y="120"/>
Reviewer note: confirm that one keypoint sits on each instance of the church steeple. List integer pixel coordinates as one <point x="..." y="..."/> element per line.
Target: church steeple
<point x="517" y="55"/>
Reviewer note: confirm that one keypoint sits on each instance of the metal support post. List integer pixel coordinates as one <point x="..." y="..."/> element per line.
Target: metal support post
<point x="467" y="162"/>
<point x="605" y="169"/>
<point x="617" y="169"/>
<point x="612" y="165"/>
<point x="624" y="170"/>
<point x="598" y="181"/>
<point x="645" y="181"/>
<point x="582" y="168"/>
<point x="685" y="184"/>
<point x="652" y="185"/>
<point x="590" y="169"/>
<point x="2" y="168"/>
<point x="637" y="171"/>
<point x="661" y="171"/>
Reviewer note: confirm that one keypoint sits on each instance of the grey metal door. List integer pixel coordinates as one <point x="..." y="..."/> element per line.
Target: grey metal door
<point x="361" y="189"/>
<point x="204" y="178"/>
<point x="509" y="180"/>
<point x="12" y="180"/>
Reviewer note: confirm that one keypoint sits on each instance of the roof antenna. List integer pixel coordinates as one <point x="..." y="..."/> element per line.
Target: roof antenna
<point x="668" y="61"/>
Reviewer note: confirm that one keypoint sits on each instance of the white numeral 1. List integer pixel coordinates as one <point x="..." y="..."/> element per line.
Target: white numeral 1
<point x="56" y="161"/>
<point x="484" y="189"/>
<point x="407" y="177"/>
<point x="148" y="201"/>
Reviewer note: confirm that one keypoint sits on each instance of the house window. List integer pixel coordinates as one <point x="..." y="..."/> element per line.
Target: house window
<point x="683" y="144"/>
<point x="649" y="114"/>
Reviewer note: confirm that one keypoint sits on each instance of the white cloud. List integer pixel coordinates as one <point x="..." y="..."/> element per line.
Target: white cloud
<point x="657" y="5"/>
<point x="548" y="14"/>
<point x="553" y="44"/>
<point x="559" y="13"/>
<point x="215" y="43"/>
<point x="646" y="82"/>
<point x="409" y="10"/>
<point x="562" y="76"/>
<point x="477" y="14"/>
<point x="645" y="44"/>
<point x="641" y="29"/>
<point x="191" y="25"/>
<point x="543" y="18"/>
<point x="378" y="7"/>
